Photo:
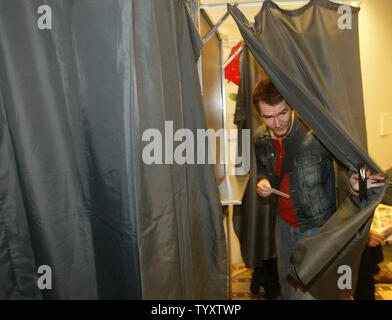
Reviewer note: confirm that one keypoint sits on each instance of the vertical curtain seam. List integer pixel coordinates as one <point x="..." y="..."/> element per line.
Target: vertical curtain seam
<point x="179" y="7"/>
<point x="135" y="142"/>
<point x="11" y="251"/>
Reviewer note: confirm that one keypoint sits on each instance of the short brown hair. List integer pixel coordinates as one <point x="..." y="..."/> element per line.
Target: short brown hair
<point x="266" y="92"/>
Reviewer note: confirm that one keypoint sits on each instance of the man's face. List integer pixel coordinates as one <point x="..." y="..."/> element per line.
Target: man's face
<point x="277" y="117"/>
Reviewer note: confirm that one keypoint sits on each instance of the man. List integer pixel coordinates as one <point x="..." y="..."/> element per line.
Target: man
<point x="291" y="159"/>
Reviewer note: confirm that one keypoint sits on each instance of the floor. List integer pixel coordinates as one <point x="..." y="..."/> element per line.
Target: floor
<point x="384" y="291"/>
<point x="242" y="277"/>
<point x="240" y="283"/>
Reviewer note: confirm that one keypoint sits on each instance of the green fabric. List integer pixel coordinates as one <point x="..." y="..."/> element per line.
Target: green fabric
<point x="254" y="219"/>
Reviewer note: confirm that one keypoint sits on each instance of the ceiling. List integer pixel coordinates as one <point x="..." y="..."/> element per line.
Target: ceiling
<point x="228" y="30"/>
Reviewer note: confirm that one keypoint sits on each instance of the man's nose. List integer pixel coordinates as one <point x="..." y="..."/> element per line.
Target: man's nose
<point x="276" y="122"/>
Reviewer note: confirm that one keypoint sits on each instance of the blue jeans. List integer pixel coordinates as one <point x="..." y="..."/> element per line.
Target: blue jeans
<point x="286" y="238"/>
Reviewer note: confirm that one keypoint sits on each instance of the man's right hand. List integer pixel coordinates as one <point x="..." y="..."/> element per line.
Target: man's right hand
<point x="264" y="188"/>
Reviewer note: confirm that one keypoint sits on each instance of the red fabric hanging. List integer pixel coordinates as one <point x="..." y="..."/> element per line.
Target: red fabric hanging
<point x="232" y="70"/>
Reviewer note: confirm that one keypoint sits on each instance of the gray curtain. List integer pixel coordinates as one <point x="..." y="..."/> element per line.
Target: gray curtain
<point x="75" y="194"/>
<point x="253" y="220"/>
<point x="316" y="67"/>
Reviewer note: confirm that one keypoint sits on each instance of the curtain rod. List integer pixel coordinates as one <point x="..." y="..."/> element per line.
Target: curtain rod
<point x="255" y="4"/>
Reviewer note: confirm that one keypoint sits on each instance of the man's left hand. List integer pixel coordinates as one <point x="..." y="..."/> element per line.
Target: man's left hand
<point x="373" y="181"/>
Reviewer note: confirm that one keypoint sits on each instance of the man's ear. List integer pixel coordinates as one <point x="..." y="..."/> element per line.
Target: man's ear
<point x="259" y="117"/>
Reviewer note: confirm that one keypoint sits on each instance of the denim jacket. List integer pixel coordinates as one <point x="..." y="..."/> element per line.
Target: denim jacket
<point x="311" y="180"/>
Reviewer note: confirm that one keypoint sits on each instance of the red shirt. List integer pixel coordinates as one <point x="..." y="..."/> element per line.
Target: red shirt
<point x="286" y="210"/>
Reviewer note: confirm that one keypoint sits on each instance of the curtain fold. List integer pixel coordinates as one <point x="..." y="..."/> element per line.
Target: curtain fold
<point x="180" y="214"/>
<point x="315" y="65"/>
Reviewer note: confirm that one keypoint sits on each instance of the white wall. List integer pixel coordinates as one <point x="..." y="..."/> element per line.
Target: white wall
<point x="375" y="35"/>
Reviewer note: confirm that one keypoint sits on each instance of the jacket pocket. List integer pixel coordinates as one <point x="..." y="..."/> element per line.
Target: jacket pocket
<point x="309" y="168"/>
